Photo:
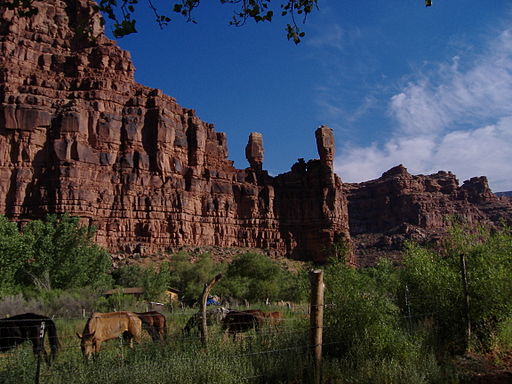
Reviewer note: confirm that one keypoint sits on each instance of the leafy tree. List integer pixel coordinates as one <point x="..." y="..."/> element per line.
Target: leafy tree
<point x="128" y="276"/>
<point x="190" y="277"/>
<point x="63" y="255"/>
<point x="14" y="253"/>
<point x="155" y="281"/>
<point x="254" y="276"/>
<point x="122" y="12"/>
<point x="361" y="320"/>
<point x="436" y="290"/>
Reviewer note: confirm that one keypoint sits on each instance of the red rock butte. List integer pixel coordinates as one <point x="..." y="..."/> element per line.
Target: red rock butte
<point x="79" y="135"/>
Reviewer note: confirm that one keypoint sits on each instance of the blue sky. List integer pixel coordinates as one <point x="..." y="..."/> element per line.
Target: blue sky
<point x="429" y="88"/>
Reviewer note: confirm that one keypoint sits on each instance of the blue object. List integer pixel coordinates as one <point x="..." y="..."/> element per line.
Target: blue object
<point x="210" y="301"/>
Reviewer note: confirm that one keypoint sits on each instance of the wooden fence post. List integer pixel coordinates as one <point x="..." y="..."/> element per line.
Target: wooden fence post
<point x="316" y="277"/>
<point x="464" y="276"/>
<point x="202" y="310"/>
<point x="39" y="348"/>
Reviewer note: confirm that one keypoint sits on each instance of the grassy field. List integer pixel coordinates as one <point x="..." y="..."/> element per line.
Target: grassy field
<point x="277" y="356"/>
<point x="272" y="356"/>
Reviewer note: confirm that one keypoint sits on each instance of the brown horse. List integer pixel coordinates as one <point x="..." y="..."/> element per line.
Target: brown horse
<point x="273" y="318"/>
<point x="242" y="321"/>
<point x="101" y="327"/>
<point x="27" y="327"/>
<point x="154" y="323"/>
<point x="213" y="316"/>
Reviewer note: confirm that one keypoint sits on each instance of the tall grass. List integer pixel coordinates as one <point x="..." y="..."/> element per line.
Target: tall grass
<point x="276" y="357"/>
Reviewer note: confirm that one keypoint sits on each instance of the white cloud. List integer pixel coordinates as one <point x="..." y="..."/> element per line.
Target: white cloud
<point x="328" y="36"/>
<point x="455" y="117"/>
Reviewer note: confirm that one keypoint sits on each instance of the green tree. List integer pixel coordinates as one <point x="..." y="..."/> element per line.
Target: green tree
<point x="362" y="320"/>
<point x="128" y="276"/>
<point x="155" y="281"/>
<point x="14" y="254"/>
<point x="254" y="276"/>
<point x="122" y="12"/>
<point x="63" y="255"/>
<point x="189" y="277"/>
<point x="436" y="289"/>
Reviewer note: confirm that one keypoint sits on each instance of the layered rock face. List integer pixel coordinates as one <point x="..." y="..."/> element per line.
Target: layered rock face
<point x="398" y="206"/>
<point x="79" y="135"/>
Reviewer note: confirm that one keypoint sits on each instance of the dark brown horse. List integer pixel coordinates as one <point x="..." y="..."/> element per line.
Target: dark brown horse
<point x="242" y="321"/>
<point x="155" y="324"/>
<point x="27" y="327"/>
<point x="213" y="316"/>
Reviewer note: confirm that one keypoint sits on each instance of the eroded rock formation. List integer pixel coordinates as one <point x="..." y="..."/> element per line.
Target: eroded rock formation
<point x="399" y="206"/>
<point x="79" y="135"/>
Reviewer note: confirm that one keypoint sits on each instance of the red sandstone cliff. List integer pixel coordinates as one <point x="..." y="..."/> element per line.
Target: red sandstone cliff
<point x="398" y="206"/>
<point x="79" y="135"/>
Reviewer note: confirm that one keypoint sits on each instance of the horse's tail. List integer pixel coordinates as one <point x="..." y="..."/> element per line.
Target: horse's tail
<point x="52" y="338"/>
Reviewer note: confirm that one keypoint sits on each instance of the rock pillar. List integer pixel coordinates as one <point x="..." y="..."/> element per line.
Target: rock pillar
<point x="254" y="151"/>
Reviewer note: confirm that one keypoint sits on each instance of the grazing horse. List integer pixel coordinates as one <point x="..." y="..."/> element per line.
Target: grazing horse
<point x="27" y="327"/>
<point x="101" y="327"/>
<point x="213" y="316"/>
<point x="242" y="321"/>
<point x="155" y="324"/>
<point x="273" y="318"/>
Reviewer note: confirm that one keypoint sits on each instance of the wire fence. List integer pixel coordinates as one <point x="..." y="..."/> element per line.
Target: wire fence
<point x="267" y="341"/>
<point x="290" y="336"/>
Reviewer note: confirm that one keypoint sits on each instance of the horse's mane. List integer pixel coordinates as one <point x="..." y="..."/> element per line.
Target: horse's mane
<point x="90" y="325"/>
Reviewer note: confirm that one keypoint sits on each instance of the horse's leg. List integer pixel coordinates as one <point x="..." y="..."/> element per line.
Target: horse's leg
<point x="162" y="332"/>
<point x="38" y="347"/>
<point x="153" y="331"/>
<point x="126" y="337"/>
<point x="97" y="345"/>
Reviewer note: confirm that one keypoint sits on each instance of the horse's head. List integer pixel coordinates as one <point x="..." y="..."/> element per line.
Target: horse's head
<point x="86" y="344"/>
<point x="224" y="311"/>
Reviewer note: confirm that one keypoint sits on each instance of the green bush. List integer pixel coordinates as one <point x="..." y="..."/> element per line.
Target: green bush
<point x="256" y="277"/>
<point x="362" y="321"/>
<point x="64" y="255"/>
<point x="15" y="252"/>
<point x="436" y="289"/>
<point x="365" y="337"/>
<point x="128" y="276"/>
<point x="56" y="253"/>
<point x="189" y="277"/>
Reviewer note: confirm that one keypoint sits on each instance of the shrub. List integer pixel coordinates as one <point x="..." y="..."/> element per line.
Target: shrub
<point x="14" y="254"/>
<point x="361" y="320"/>
<point x="437" y="291"/>
<point x="254" y="277"/>
<point x="128" y="276"/>
<point x="63" y="255"/>
<point x="190" y="277"/>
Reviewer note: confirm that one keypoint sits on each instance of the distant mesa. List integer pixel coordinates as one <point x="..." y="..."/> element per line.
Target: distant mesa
<point x="79" y="135"/>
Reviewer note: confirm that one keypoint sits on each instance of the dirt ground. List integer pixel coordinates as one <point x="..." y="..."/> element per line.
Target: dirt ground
<point x="486" y="369"/>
